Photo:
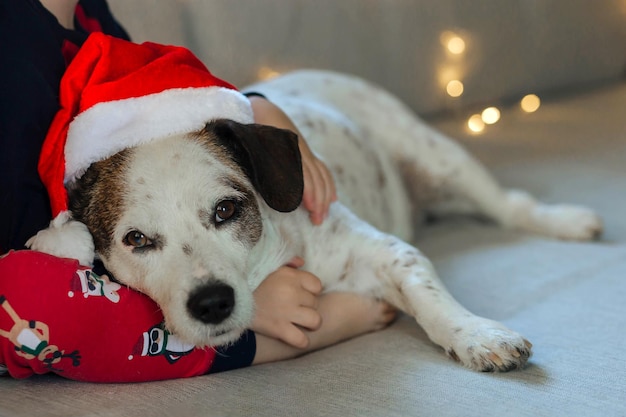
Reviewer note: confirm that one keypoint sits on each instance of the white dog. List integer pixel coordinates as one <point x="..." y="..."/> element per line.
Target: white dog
<point x="198" y="221"/>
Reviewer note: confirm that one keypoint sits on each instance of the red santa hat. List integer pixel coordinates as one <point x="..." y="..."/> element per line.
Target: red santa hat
<point x="117" y="94"/>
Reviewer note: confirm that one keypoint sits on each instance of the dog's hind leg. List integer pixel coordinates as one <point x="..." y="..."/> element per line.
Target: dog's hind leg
<point x="437" y="170"/>
<point x="462" y="185"/>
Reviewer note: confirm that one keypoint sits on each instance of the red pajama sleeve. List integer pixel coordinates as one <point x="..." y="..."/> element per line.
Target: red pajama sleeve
<point x="57" y="316"/>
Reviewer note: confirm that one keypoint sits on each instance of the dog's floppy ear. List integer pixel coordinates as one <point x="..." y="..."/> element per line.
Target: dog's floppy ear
<point x="269" y="156"/>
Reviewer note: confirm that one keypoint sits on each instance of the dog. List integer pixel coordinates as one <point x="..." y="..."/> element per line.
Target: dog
<point x="197" y="221"/>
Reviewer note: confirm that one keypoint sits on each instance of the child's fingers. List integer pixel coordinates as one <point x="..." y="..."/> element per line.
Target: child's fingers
<point x="295" y="337"/>
<point x="307" y="318"/>
<point x="296" y="262"/>
<point x="319" y="191"/>
<point x="319" y="185"/>
<point x="329" y="191"/>
<point x="388" y="313"/>
<point x="310" y="283"/>
<point x="312" y="189"/>
<point x="306" y="299"/>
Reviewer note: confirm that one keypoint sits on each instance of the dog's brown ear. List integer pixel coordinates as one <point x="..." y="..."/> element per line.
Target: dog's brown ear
<point x="269" y="156"/>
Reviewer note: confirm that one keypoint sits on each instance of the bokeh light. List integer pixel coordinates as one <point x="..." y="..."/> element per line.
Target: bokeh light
<point x="530" y="103"/>
<point x="454" y="88"/>
<point x="475" y="123"/>
<point x="265" y="73"/>
<point x="490" y="115"/>
<point x="456" y="45"/>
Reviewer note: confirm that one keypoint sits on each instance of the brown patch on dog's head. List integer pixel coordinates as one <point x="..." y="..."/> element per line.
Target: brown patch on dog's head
<point x="96" y="199"/>
<point x="269" y="157"/>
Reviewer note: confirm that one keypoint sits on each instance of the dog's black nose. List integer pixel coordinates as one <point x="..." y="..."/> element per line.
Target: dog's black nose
<point x="213" y="303"/>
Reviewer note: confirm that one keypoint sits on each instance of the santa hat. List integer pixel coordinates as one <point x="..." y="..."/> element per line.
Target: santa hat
<point x="117" y="94"/>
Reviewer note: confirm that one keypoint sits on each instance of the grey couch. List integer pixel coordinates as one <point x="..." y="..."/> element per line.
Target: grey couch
<point x="567" y="298"/>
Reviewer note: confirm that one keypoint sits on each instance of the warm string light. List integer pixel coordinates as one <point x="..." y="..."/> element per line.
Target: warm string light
<point x="454" y="88"/>
<point x="452" y="42"/>
<point x="477" y="123"/>
<point x="455" y="45"/>
<point x="490" y="115"/>
<point x="530" y="103"/>
<point x="450" y="75"/>
<point x="265" y="73"/>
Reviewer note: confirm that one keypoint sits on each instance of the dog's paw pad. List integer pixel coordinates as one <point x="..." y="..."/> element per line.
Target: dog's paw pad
<point x="488" y="346"/>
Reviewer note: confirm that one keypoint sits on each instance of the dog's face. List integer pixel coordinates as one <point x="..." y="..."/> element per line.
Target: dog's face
<point x="177" y="218"/>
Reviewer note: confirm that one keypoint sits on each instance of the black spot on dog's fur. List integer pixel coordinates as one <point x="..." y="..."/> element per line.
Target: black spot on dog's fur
<point x="451" y="353"/>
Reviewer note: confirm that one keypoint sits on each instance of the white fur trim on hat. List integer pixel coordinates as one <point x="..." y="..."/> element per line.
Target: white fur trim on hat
<point x="110" y="127"/>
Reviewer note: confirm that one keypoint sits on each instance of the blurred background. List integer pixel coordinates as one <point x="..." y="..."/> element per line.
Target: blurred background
<point x="437" y="55"/>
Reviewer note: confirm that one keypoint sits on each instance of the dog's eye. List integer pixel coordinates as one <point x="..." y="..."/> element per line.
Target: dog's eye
<point x="137" y="239"/>
<point x="225" y="210"/>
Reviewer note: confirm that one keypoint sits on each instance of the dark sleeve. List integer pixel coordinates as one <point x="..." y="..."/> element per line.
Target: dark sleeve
<point x="32" y="66"/>
<point x="254" y="94"/>
<point x="237" y="355"/>
<point x="31" y="43"/>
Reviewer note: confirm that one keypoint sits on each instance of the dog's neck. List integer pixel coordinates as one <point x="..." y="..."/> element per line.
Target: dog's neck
<point x="277" y="246"/>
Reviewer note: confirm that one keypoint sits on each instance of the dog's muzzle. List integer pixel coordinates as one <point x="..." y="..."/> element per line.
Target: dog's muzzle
<point x="212" y="303"/>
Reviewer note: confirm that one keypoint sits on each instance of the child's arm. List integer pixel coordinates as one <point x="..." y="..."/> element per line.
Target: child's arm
<point x="291" y="317"/>
<point x="319" y="187"/>
<point x="343" y="315"/>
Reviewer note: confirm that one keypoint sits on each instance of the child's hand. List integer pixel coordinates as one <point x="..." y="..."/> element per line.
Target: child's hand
<point x="286" y="303"/>
<point x="345" y="315"/>
<point x="319" y="186"/>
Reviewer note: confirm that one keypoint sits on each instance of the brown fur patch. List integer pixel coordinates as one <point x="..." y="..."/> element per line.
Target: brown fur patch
<point x="249" y="224"/>
<point x="97" y="199"/>
<point x="206" y="218"/>
<point x="347" y="268"/>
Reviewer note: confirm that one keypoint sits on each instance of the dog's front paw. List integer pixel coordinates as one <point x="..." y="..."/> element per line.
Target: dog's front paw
<point x="65" y="238"/>
<point x="487" y="346"/>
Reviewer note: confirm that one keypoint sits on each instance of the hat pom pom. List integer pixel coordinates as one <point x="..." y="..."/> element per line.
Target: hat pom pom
<point x="65" y="238"/>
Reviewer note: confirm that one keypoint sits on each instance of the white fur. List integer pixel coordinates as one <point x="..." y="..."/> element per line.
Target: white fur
<point x="65" y="238"/>
<point x="364" y="135"/>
